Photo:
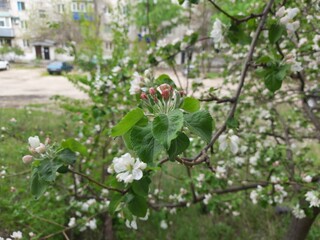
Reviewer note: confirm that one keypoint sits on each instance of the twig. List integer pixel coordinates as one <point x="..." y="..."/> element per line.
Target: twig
<point x="97" y="183"/>
<point x="238" y="21"/>
<point x="199" y="158"/>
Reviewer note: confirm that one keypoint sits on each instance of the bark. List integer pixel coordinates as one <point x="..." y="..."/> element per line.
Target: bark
<point x="299" y="228"/>
<point x="108" y="233"/>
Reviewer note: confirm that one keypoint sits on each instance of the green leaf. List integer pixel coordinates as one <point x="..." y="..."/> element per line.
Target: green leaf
<point x="47" y="169"/>
<point x="145" y="145"/>
<point x="232" y="123"/>
<point x="67" y="156"/>
<point x="75" y="146"/>
<point x="237" y="35"/>
<point x="127" y="122"/>
<point x="164" y="78"/>
<point x="165" y="127"/>
<point x="178" y="145"/>
<point x="274" y="75"/>
<point x="181" y="2"/>
<point x="38" y="186"/>
<point x="141" y="187"/>
<point x="138" y="206"/>
<point x="127" y="139"/>
<point x="200" y="123"/>
<point x="190" y="104"/>
<point x="116" y="199"/>
<point x="275" y="32"/>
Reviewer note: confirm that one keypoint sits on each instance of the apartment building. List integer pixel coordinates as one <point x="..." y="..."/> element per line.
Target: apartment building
<point x="24" y="23"/>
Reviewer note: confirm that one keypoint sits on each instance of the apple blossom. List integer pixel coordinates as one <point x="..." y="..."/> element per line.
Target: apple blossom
<point x="298" y="212"/>
<point x="27" y="159"/>
<point x="128" y="168"/>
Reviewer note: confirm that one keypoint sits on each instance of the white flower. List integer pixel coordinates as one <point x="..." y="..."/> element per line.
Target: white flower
<point x="116" y="69"/>
<point x="92" y="224"/>
<point x="216" y="32"/>
<point x="311" y="102"/>
<point x="36" y="145"/>
<point x="254" y="196"/>
<point x="292" y="12"/>
<point x="163" y="224"/>
<point x="235" y="213"/>
<point x="281" y="11"/>
<point x="307" y="179"/>
<point x="135" y="84"/>
<point x="72" y="222"/>
<point x="207" y="198"/>
<point x="230" y="140"/>
<point x="13" y="120"/>
<point x="132" y="224"/>
<point x="296" y="67"/>
<point x="298" y="212"/>
<point x="313" y="198"/>
<point x="34" y="142"/>
<point x="128" y="169"/>
<point x="16" y="235"/>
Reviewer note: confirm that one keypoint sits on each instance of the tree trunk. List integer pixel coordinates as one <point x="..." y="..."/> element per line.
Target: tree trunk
<point x="299" y="228"/>
<point x="107" y="228"/>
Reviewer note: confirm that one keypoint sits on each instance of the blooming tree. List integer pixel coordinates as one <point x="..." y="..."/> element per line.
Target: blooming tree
<point x="247" y="135"/>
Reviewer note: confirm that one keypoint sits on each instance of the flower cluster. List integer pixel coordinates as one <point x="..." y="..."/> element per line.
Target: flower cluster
<point x="313" y="198"/>
<point x="295" y="65"/>
<point x="35" y="147"/>
<point x="162" y="99"/>
<point x="216" y="33"/>
<point x="298" y="212"/>
<point x="127" y="168"/>
<point x="286" y="18"/>
<point x="229" y="140"/>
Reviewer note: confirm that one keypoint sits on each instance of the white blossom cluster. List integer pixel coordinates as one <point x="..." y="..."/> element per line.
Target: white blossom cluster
<point x="298" y="212"/>
<point x="216" y="33"/>
<point x="14" y="235"/>
<point x="286" y="18"/>
<point x="127" y="168"/>
<point x="229" y="140"/>
<point x="313" y="198"/>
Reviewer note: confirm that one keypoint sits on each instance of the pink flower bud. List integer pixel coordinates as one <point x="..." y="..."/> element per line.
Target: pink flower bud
<point x="47" y="141"/>
<point x="27" y="159"/>
<point x="41" y="148"/>
<point x="182" y="93"/>
<point x="144" y="96"/>
<point x="276" y="164"/>
<point x="152" y="91"/>
<point x="164" y="87"/>
<point x="166" y="94"/>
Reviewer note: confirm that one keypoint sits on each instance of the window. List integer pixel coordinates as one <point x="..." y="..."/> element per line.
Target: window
<point x="2" y="22"/>
<point x="4" y="5"/>
<point x="82" y="7"/>
<point x="74" y="7"/>
<point x="23" y="24"/>
<point x="21" y="6"/>
<point x="5" y="23"/>
<point x="90" y="7"/>
<point x="26" y="43"/>
<point x="5" y="41"/>
<point x="42" y="13"/>
<point x="109" y="45"/>
<point x="61" y="8"/>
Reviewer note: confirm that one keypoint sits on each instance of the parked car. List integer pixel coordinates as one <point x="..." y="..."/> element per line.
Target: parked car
<point x="59" y="67"/>
<point x="4" y="65"/>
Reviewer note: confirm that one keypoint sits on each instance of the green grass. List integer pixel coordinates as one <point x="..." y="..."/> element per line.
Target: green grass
<point x="19" y="211"/>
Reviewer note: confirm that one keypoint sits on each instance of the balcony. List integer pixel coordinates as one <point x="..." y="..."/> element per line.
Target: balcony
<point x="7" y="32"/>
<point x="4" y="6"/>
